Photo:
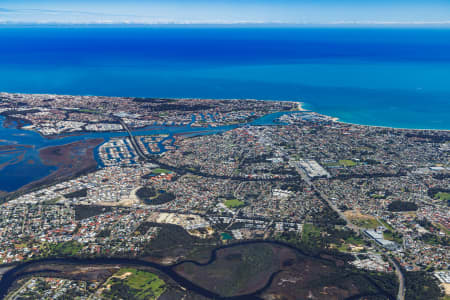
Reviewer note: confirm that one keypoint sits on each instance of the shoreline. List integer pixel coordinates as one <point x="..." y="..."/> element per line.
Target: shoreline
<point x="16" y="271"/>
<point x="337" y="120"/>
<point x="299" y="103"/>
<point x="301" y="108"/>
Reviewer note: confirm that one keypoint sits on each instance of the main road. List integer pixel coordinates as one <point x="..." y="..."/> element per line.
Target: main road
<point x="401" y="279"/>
<point x="304" y="177"/>
<point x="181" y="170"/>
<point x="133" y="140"/>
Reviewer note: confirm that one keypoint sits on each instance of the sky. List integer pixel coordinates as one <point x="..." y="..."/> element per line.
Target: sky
<point x="331" y="12"/>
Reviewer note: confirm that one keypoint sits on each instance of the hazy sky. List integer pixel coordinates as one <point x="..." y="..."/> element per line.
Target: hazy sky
<point x="225" y="11"/>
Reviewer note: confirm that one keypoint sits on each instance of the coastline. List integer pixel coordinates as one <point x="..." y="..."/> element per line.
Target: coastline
<point x="301" y="107"/>
<point x="337" y="120"/>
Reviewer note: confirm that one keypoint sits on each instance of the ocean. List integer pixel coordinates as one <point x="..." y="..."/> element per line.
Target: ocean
<point x="386" y="77"/>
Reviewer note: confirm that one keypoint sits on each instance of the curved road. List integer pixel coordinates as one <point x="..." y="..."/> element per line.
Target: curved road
<point x="182" y="171"/>
<point x="304" y="177"/>
<point x="401" y="278"/>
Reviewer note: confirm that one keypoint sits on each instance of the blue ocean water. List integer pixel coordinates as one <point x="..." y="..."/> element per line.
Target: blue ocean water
<point x="386" y="77"/>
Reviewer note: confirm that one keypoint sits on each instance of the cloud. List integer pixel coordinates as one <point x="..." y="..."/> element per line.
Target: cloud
<point x="74" y="17"/>
<point x="3" y="10"/>
<point x="444" y="22"/>
<point x="37" y="12"/>
<point x="163" y="21"/>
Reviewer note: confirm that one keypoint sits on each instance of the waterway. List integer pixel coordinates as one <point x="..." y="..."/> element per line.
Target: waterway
<point x="20" y="270"/>
<point x="23" y="167"/>
<point x="373" y="76"/>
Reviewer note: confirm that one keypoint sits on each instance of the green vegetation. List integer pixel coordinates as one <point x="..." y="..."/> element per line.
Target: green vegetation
<point x="87" y="211"/>
<point x="331" y="274"/>
<point x="347" y="163"/>
<point x="310" y="233"/>
<point x="432" y="239"/>
<point x="77" y="194"/>
<point x="161" y="171"/>
<point x="320" y="238"/>
<point x="234" y="203"/>
<point x="328" y="219"/>
<point x="146" y="192"/>
<point x="368" y="223"/>
<point x="386" y="225"/>
<point x="402" y="206"/>
<point x="377" y="196"/>
<point x="173" y="240"/>
<point x="354" y="240"/>
<point x="422" y="285"/>
<point x="392" y="236"/>
<point x="152" y="197"/>
<point x="342" y="163"/>
<point x="444" y="229"/>
<point x="349" y="240"/>
<point x="321" y="234"/>
<point x="439" y="193"/>
<point x="442" y="196"/>
<point x="130" y="283"/>
<point x="71" y="248"/>
<point x="385" y="281"/>
<point x="235" y="269"/>
<point x="161" y="198"/>
<point x="343" y="239"/>
<point x="52" y="201"/>
<point x="88" y="111"/>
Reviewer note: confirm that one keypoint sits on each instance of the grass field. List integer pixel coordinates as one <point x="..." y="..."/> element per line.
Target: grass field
<point x="71" y="248"/>
<point x="234" y="203"/>
<point x="361" y="220"/>
<point x="354" y="241"/>
<point x="89" y="111"/>
<point x="160" y="171"/>
<point x="443" y="228"/>
<point x="342" y="163"/>
<point x="347" y="163"/>
<point x="310" y="232"/>
<point x="351" y="240"/>
<point x="388" y="235"/>
<point x="366" y="223"/>
<point x="377" y="196"/>
<point x="386" y="225"/>
<point x="52" y="201"/>
<point x="442" y="196"/>
<point x="140" y="284"/>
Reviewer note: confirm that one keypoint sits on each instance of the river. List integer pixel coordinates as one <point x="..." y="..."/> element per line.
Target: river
<point x="30" y="168"/>
<point x="19" y="271"/>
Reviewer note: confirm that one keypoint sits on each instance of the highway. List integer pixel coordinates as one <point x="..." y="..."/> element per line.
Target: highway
<point x="133" y="140"/>
<point x="401" y="279"/>
<point x="305" y="178"/>
<point x="181" y="170"/>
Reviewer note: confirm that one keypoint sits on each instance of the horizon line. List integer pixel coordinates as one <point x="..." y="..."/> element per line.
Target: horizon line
<point x="234" y="23"/>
